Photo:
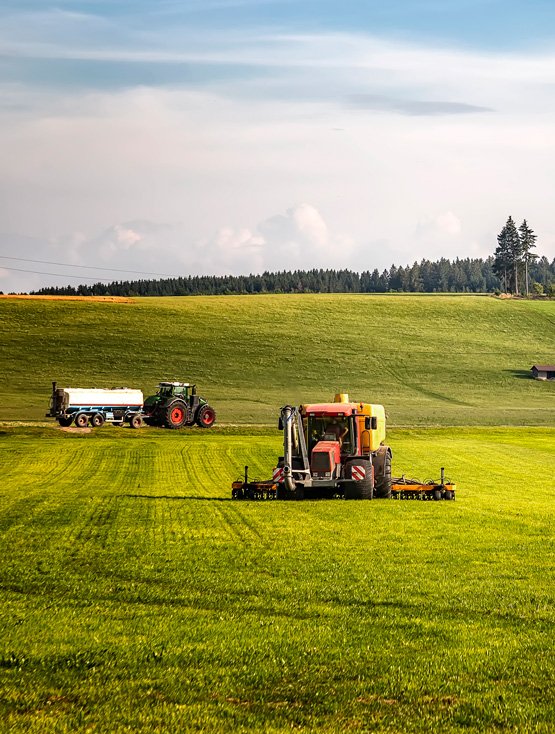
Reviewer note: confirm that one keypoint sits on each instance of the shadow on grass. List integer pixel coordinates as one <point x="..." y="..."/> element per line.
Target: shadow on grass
<point x="183" y="498"/>
<point x="520" y="374"/>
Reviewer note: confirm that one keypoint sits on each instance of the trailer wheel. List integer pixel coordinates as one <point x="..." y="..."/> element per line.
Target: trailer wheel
<point x="206" y="417"/>
<point x="176" y="415"/>
<point x="383" y="480"/>
<point x="65" y="422"/>
<point x="362" y="489"/>
<point x="448" y="495"/>
<point x="436" y="494"/>
<point x="136" y="421"/>
<point x="81" y="420"/>
<point x="98" y="420"/>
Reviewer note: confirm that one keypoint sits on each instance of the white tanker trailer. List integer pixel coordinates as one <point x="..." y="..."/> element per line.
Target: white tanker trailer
<point x="96" y="406"/>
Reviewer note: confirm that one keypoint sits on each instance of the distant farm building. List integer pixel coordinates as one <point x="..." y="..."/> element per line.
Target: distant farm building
<point x="543" y="371"/>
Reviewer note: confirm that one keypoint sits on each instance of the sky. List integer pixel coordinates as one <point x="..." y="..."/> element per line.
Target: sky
<point x="142" y="139"/>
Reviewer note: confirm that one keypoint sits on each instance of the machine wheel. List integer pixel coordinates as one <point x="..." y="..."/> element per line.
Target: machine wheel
<point x="448" y="495"/>
<point x="298" y="494"/>
<point x="81" y="420"/>
<point x="284" y="494"/>
<point x="98" y="420"/>
<point x="65" y="422"/>
<point x="362" y="489"/>
<point x="437" y="494"/>
<point x="206" y="417"/>
<point x="136" y="421"/>
<point x="176" y="414"/>
<point x="383" y="480"/>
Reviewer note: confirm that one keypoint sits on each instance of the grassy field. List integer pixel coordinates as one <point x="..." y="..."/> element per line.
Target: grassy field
<point x="135" y="596"/>
<point x="432" y="360"/>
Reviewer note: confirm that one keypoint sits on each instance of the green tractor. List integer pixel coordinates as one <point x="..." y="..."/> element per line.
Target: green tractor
<point x="176" y="404"/>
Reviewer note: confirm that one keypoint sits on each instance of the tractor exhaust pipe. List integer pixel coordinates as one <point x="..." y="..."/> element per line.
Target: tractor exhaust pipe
<point x="287" y="414"/>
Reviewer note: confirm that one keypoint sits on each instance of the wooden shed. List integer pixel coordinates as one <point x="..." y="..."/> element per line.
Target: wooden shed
<point x="543" y="371"/>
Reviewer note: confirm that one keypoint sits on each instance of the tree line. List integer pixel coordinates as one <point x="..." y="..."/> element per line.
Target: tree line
<point x="441" y="276"/>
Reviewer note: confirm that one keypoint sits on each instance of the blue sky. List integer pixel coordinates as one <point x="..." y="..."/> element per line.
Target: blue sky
<point x="237" y="135"/>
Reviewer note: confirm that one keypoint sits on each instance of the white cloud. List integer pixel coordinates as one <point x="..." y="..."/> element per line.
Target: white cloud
<point x="444" y="224"/>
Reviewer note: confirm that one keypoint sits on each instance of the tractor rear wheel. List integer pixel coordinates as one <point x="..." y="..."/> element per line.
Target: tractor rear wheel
<point x="383" y="480"/>
<point x="358" y="484"/>
<point x="206" y="416"/>
<point x="65" y="422"/>
<point x="81" y="420"/>
<point x="176" y="415"/>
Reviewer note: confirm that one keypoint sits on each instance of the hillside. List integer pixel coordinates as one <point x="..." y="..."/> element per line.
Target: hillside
<point x="445" y="360"/>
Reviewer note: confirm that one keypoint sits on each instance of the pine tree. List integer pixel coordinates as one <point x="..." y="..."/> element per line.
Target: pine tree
<point x="515" y="249"/>
<point x="502" y="262"/>
<point x="527" y="242"/>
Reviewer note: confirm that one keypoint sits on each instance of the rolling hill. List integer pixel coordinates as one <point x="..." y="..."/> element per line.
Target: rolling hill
<point x="440" y="360"/>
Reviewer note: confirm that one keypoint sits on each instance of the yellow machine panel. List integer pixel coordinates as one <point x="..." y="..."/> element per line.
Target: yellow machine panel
<point x="373" y="436"/>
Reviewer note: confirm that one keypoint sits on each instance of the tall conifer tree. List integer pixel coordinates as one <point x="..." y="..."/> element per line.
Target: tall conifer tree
<point x="527" y="242"/>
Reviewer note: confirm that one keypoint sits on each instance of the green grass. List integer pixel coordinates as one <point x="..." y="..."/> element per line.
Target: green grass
<point x="134" y="596"/>
<point x="432" y="360"/>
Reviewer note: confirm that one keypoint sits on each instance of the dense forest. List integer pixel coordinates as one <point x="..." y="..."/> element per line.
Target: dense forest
<point x="443" y="276"/>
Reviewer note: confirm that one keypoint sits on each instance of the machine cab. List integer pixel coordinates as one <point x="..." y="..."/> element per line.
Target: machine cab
<point x="176" y="389"/>
<point x="326" y="428"/>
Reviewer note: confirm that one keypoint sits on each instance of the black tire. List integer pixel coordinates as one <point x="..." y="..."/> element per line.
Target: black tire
<point x="362" y="489"/>
<point x="383" y="480"/>
<point x="206" y="416"/>
<point x="81" y="420"/>
<point x="283" y="493"/>
<point x="176" y="414"/>
<point x="437" y="494"/>
<point x="448" y="495"/>
<point x="136" y="421"/>
<point x="65" y="422"/>
<point x="298" y="494"/>
<point x="98" y="420"/>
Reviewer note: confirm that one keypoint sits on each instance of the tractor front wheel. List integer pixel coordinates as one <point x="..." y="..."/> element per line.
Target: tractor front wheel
<point x="206" y="417"/>
<point x="176" y="415"/>
<point x="358" y="484"/>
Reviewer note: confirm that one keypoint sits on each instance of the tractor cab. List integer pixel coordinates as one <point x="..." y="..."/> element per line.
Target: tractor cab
<point x="325" y="423"/>
<point x="330" y="428"/>
<point x="176" y="389"/>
